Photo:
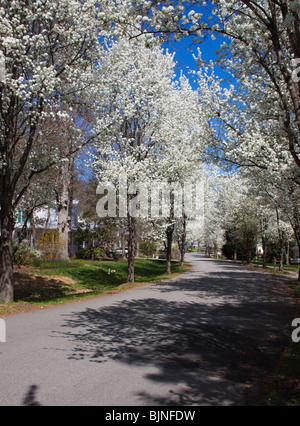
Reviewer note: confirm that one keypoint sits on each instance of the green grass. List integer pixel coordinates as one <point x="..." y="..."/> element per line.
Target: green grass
<point x="270" y="267"/>
<point x="95" y="275"/>
<point x="293" y="268"/>
<point x="88" y="279"/>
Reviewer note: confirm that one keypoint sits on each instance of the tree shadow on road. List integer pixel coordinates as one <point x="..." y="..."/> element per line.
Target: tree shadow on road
<point x="218" y="343"/>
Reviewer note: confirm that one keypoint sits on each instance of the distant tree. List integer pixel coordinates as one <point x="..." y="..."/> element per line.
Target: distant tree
<point x="137" y="90"/>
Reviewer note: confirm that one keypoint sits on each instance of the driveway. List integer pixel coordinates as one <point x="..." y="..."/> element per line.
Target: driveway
<point x="204" y="338"/>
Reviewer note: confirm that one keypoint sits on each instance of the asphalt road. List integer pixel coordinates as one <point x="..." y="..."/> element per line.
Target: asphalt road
<point x="204" y="338"/>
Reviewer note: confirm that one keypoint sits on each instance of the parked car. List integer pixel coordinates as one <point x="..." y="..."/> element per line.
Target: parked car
<point x="295" y="261"/>
<point x="119" y="251"/>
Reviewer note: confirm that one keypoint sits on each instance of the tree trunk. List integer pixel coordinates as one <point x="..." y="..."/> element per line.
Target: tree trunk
<point x="123" y="239"/>
<point x="33" y="235"/>
<point x="215" y="250"/>
<point x="65" y="207"/>
<point x="281" y="256"/>
<point x="182" y="255"/>
<point x="6" y="253"/>
<point x="265" y="252"/>
<point x="235" y="256"/>
<point x="169" y="235"/>
<point x="249" y="257"/>
<point x="181" y="241"/>
<point x="131" y="247"/>
<point x="288" y="253"/>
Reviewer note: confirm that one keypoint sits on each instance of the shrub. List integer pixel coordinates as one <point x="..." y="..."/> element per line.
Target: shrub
<point x="148" y="249"/>
<point x="99" y="252"/>
<point x="84" y="253"/>
<point x="115" y="256"/>
<point x="24" y="255"/>
<point x="90" y="253"/>
<point x="50" y="245"/>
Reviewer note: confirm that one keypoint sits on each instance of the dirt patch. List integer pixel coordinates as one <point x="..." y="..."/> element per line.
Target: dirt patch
<point x="26" y="284"/>
<point x="36" y="288"/>
<point x="28" y="281"/>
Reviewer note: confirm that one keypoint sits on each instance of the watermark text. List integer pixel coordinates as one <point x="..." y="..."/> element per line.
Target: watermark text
<point x="296" y="332"/>
<point x="296" y="70"/>
<point x="160" y="199"/>
<point x="2" y="68"/>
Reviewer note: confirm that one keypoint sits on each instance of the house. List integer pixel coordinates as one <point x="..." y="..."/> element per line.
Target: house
<point x="45" y="218"/>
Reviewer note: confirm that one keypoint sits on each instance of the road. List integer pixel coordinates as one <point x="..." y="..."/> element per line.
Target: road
<point x="204" y="338"/>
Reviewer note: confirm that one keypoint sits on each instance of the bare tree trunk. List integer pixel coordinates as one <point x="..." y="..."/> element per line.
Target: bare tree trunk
<point x="281" y="259"/>
<point x="131" y="247"/>
<point x="182" y="254"/>
<point x="265" y="252"/>
<point x="6" y="253"/>
<point x="33" y="236"/>
<point x="122" y="236"/>
<point x="288" y="254"/>
<point x="282" y="242"/>
<point x="249" y="257"/>
<point x="65" y="207"/>
<point x="181" y="241"/>
<point x="169" y="235"/>
<point x="235" y="254"/>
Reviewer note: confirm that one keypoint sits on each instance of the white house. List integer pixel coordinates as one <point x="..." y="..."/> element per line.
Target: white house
<point x="45" y="218"/>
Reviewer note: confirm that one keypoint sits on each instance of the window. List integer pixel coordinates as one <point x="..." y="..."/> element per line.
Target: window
<point x="20" y="216"/>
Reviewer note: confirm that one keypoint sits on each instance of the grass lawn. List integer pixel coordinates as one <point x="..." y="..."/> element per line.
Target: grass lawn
<point x="50" y="284"/>
<point x="270" y="266"/>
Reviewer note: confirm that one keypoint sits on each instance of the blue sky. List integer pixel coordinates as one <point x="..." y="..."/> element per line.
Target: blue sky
<point x="208" y="47"/>
<point x="185" y="60"/>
